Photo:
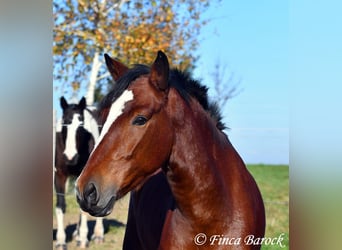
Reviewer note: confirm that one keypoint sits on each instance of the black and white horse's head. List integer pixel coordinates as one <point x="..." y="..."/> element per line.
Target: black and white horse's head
<point x="76" y="130"/>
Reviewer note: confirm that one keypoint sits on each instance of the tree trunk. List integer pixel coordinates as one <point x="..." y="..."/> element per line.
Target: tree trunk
<point x="93" y="78"/>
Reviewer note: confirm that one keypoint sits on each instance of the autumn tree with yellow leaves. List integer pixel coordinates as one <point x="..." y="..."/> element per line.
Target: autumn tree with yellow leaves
<point x="132" y="31"/>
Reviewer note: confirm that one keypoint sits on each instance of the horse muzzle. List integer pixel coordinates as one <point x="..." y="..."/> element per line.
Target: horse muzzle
<point x="92" y="202"/>
<point x="71" y="161"/>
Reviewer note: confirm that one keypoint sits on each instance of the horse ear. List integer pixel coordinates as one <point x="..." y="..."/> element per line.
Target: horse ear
<point x="160" y="71"/>
<point x="64" y="103"/>
<point x="116" y="68"/>
<point x="82" y="104"/>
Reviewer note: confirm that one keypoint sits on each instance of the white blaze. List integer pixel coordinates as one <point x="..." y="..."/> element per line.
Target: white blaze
<point x="115" y="111"/>
<point x="70" y="145"/>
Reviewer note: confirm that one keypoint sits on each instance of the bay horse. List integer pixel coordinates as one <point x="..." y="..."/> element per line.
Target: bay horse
<point x="163" y="140"/>
<point x="76" y="134"/>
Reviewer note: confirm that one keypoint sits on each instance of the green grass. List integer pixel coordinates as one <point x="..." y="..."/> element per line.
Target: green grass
<point x="273" y="182"/>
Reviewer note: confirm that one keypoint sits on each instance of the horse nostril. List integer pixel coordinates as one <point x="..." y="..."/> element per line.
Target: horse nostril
<point x="90" y="194"/>
<point x="75" y="158"/>
<point x="71" y="161"/>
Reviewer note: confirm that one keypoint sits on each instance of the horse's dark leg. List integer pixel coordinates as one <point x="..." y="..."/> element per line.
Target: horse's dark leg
<point x="60" y="180"/>
<point x="131" y="240"/>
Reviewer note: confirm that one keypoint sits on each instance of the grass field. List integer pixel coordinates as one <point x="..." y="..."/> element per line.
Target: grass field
<point x="273" y="182"/>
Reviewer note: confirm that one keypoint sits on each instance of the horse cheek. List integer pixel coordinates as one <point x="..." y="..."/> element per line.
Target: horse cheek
<point x="160" y="145"/>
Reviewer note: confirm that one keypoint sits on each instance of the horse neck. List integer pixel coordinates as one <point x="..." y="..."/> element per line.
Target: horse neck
<point x="201" y="165"/>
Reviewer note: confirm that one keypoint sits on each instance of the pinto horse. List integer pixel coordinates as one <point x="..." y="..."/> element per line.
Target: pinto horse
<point x="75" y="138"/>
<point x="163" y="140"/>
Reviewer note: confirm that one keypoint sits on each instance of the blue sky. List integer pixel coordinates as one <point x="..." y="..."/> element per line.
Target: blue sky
<point x="251" y="39"/>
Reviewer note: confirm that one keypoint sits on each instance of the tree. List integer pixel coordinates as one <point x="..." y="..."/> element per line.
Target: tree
<point x="131" y="31"/>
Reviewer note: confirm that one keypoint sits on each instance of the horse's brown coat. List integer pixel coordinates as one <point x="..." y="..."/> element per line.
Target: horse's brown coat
<point x="212" y="190"/>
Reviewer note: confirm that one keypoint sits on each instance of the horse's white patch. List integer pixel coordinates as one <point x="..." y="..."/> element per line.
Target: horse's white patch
<point x="115" y="111"/>
<point x="70" y="144"/>
<point x="90" y="124"/>
<point x="83" y="230"/>
<point x="60" y="237"/>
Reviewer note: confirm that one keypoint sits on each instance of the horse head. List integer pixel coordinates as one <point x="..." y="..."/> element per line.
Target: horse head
<point x="72" y="122"/>
<point x="136" y="138"/>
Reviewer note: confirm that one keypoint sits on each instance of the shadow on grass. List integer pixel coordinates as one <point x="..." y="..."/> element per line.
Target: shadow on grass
<point x="69" y="230"/>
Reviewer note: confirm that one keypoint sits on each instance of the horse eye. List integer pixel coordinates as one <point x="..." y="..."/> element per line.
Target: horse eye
<point x="139" y="120"/>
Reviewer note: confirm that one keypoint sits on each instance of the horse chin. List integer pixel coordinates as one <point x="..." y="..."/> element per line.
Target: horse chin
<point x="100" y="211"/>
<point x="140" y="183"/>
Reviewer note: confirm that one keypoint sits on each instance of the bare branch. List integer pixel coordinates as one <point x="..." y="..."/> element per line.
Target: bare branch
<point x="103" y="76"/>
<point x="224" y="89"/>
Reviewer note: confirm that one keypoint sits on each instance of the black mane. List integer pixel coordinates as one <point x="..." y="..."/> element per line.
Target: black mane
<point x="182" y="81"/>
<point x="187" y="86"/>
